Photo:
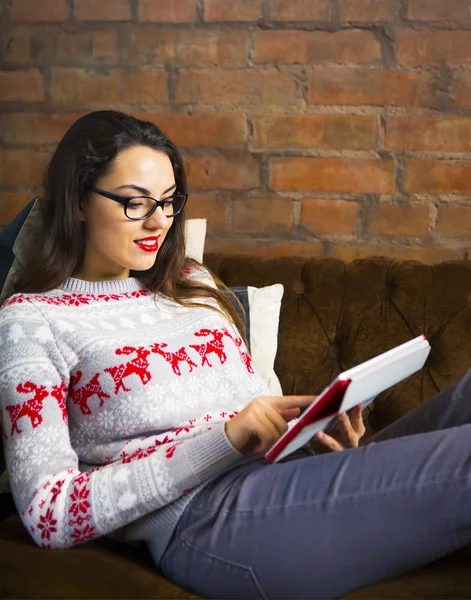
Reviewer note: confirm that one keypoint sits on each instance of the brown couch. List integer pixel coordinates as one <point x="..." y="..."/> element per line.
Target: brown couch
<point x="334" y="315"/>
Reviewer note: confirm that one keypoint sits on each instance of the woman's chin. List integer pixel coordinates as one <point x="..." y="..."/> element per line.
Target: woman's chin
<point x="143" y="265"/>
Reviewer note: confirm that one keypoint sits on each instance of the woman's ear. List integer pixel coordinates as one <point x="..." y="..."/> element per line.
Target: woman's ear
<point x="81" y="211"/>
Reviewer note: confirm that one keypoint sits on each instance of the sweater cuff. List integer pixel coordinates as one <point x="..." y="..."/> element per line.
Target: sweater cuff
<point x="210" y="457"/>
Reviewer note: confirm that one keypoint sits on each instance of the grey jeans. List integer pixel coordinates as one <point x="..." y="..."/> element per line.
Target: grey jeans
<point x="332" y="523"/>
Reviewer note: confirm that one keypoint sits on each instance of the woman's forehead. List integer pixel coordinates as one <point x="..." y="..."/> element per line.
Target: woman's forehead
<point x="143" y="166"/>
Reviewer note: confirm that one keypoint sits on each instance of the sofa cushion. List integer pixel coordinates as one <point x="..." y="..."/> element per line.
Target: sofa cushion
<point x="241" y="293"/>
<point x="449" y="577"/>
<point x="101" y="569"/>
<point x="105" y="569"/>
<point x="336" y="315"/>
<point x="262" y="314"/>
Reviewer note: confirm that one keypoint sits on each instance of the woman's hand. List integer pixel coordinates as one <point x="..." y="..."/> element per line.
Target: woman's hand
<point x="347" y="434"/>
<point x="263" y="421"/>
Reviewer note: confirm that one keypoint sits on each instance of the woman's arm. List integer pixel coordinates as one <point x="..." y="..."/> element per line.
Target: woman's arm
<point x="59" y="504"/>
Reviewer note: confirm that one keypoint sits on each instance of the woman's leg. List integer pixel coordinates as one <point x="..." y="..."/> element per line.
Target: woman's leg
<point x="449" y="408"/>
<point x="329" y="524"/>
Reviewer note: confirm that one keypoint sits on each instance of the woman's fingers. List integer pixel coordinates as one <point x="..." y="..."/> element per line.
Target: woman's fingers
<point x="284" y="402"/>
<point x="328" y="441"/>
<point x="267" y="433"/>
<point x="347" y="433"/>
<point x="263" y="421"/>
<point x="356" y="418"/>
<point x="290" y="413"/>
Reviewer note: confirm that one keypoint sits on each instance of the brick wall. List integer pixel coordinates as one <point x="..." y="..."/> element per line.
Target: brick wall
<point x="314" y="127"/>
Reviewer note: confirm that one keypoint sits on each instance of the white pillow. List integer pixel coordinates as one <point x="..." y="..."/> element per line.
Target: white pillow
<point x="264" y="312"/>
<point x="195" y="234"/>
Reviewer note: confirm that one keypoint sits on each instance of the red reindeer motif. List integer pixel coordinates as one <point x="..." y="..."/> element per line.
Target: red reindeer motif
<point x="173" y="358"/>
<point x="31" y="408"/>
<point x="170" y="450"/>
<point x="59" y="392"/>
<point x="137" y="366"/>
<point x="80" y="396"/>
<point x="215" y="345"/>
<point x="244" y="356"/>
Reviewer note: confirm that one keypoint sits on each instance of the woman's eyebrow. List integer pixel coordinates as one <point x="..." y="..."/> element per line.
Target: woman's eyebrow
<point x="142" y="190"/>
<point x="170" y="189"/>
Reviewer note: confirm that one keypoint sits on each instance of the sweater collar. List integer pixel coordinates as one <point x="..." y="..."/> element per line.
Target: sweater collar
<point x="115" y="286"/>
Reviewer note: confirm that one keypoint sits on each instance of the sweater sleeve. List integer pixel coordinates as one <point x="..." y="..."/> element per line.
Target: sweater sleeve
<point x="60" y="504"/>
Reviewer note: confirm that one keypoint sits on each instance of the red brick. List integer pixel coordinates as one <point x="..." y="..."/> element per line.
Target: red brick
<point x="241" y="87"/>
<point x="374" y="87"/>
<point x="298" y="10"/>
<point x="454" y="221"/>
<point x="22" y="167"/>
<point x="328" y="131"/>
<point x="12" y="203"/>
<point x="17" y="48"/>
<point x="105" y="46"/>
<point x="60" y="47"/>
<point x="52" y="46"/>
<point x="185" y="46"/>
<point x="103" y="10"/>
<point x="31" y="10"/>
<point x="215" y="171"/>
<point x="263" y="249"/>
<point x="433" y="48"/>
<point x="329" y="216"/>
<point x="210" y="47"/>
<point x="367" y="11"/>
<point x="213" y="130"/>
<point x="438" y="177"/>
<point x="21" y="86"/>
<point x="262" y="215"/>
<point x="399" y="219"/>
<point x="167" y="11"/>
<point x="241" y="10"/>
<point x="79" y="87"/>
<point x="311" y="47"/>
<point x="460" y="89"/>
<point x="428" y="255"/>
<point x="35" y="128"/>
<point x="144" y="86"/>
<point x="439" y="10"/>
<point x="438" y="133"/>
<point x="332" y="175"/>
<point x="146" y="45"/>
<point x="213" y="208"/>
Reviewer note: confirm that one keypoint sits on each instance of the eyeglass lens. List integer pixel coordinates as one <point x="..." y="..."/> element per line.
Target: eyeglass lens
<point x="139" y="208"/>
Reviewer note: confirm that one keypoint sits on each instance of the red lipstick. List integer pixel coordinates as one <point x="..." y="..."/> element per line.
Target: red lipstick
<point x="149" y="244"/>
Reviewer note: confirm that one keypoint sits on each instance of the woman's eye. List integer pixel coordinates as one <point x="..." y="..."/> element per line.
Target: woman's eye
<point x="168" y="201"/>
<point x="135" y="204"/>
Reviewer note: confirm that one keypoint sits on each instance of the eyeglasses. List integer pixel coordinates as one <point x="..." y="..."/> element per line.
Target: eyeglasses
<point x="138" y="208"/>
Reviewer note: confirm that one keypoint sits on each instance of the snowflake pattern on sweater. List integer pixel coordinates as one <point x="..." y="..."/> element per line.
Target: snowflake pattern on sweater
<point x="113" y="404"/>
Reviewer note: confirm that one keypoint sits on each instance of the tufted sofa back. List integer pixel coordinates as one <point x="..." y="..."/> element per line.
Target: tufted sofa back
<point x="335" y="315"/>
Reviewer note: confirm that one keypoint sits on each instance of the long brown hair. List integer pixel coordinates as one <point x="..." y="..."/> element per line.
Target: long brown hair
<point x="82" y="157"/>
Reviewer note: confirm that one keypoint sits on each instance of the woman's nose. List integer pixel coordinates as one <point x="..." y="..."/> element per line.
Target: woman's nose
<point x="157" y="220"/>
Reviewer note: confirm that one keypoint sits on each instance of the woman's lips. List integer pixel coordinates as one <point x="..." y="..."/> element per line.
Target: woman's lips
<point x="148" y="244"/>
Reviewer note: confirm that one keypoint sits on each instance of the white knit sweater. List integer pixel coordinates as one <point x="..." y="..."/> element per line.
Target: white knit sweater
<point x="113" y="404"/>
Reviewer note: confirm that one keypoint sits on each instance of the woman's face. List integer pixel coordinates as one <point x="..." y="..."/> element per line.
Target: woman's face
<point x="115" y="245"/>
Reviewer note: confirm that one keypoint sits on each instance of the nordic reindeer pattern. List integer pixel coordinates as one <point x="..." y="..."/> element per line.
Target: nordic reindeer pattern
<point x="52" y="413"/>
<point x="137" y="365"/>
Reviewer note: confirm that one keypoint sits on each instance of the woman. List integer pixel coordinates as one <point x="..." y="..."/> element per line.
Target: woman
<point x="130" y="405"/>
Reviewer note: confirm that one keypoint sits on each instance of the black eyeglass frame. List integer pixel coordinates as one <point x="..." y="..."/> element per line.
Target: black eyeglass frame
<point x="126" y="200"/>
